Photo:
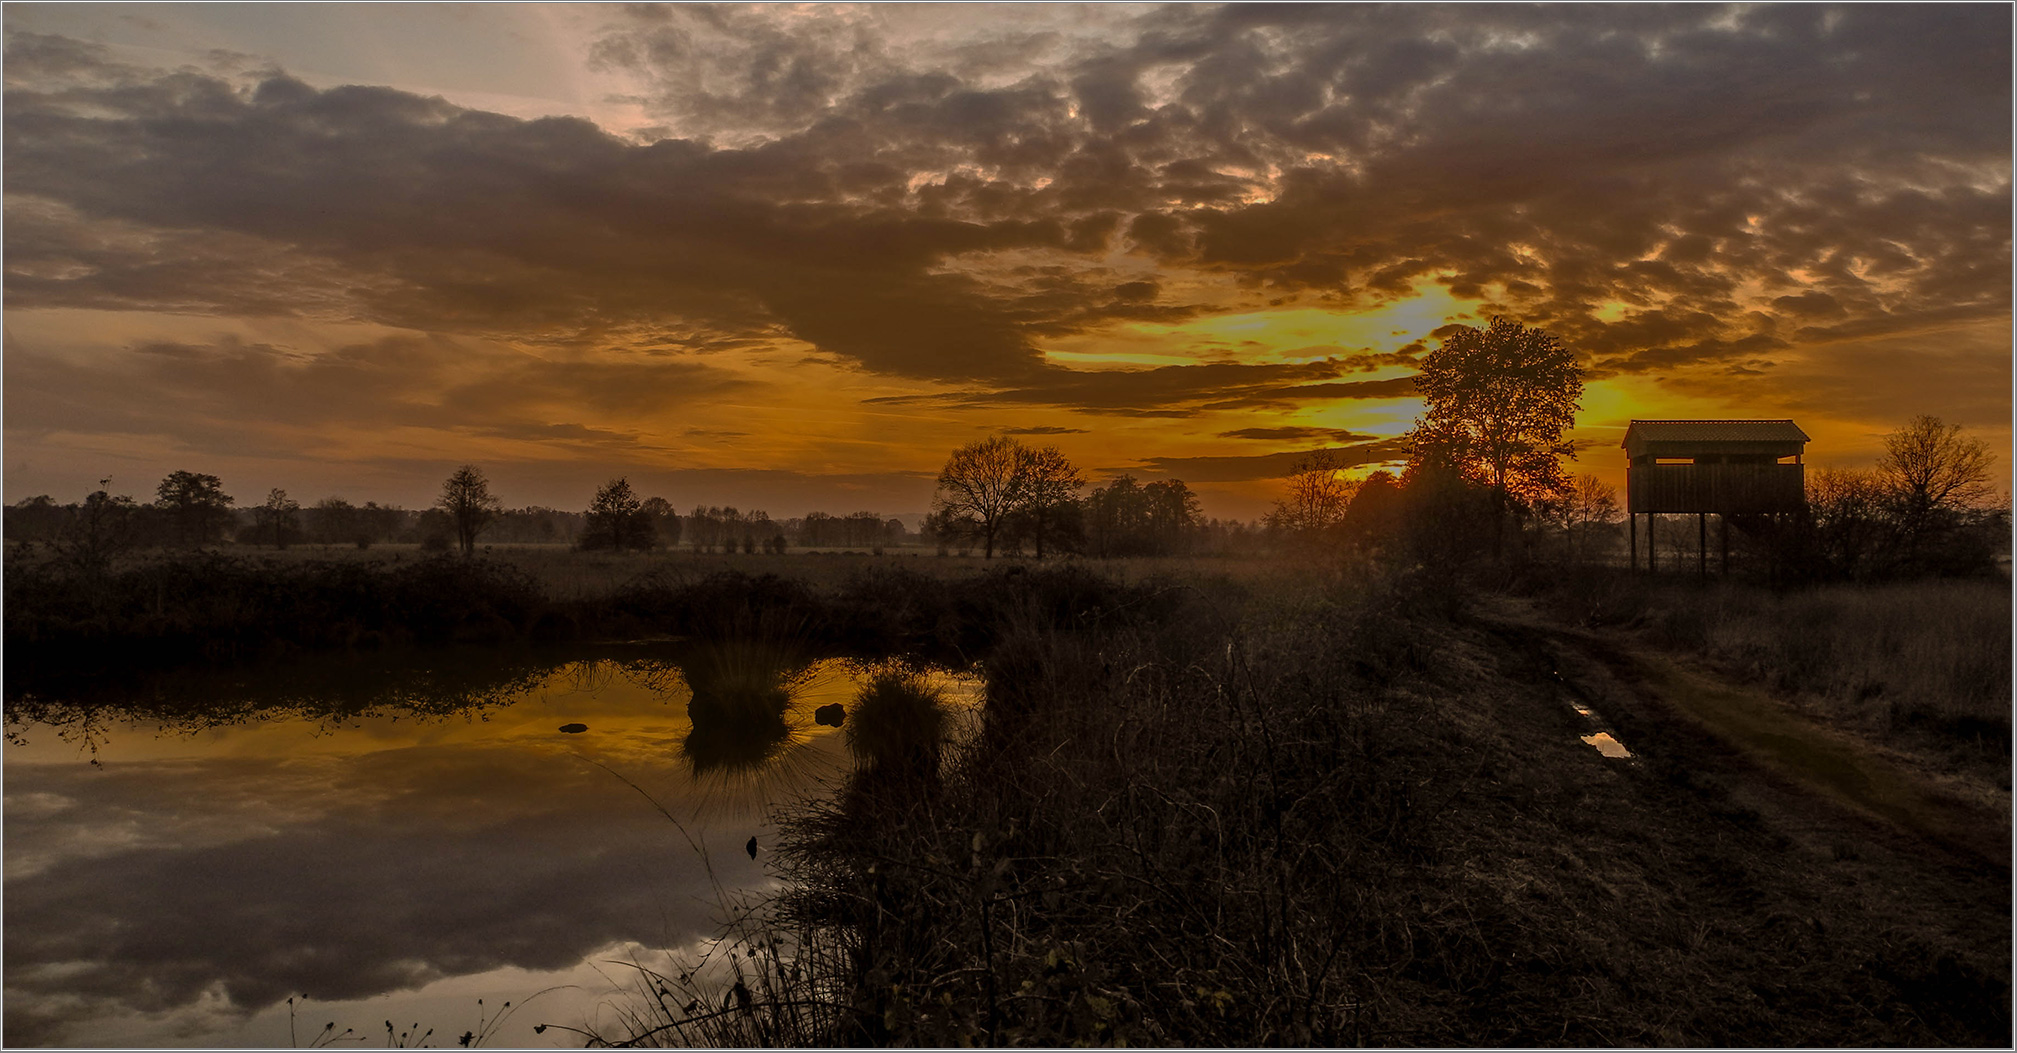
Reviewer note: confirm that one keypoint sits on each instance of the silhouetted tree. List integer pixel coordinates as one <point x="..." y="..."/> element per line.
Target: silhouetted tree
<point x="664" y="520"/>
<point x="277" y="519"/>
<point x="1124" y="518"/>
<point x="982" y="483"/>
<point x="1373" y="519"/>
<point x="817" y="529"/>
<point x="1587" y="509"/>
<point x="1174" y="514"/>
<point x="102" y="527"/>
<point x="1499" y="401"/>
<point x="617" y="519"/>
<point x="1049" y="484"/>
<point x="334" y="521"/>
<point x="195" y="507"/>
<point x="435" y="530"/>
<point x="378" y="522"/>
<point x="1447" y="518"/>
<point x="730" y="527"/>
<point x="36" y="518"/>
<point x="861" y="529"/>
<point x="1933" y="476"/>
<point x="1115" y="516"/>
<point x="1848" y="532"/>
<point x="467" y="501"/>
<point x="1317" y="495"/>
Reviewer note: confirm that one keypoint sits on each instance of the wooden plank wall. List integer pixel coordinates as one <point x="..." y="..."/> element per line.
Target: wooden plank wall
<point x="1734" y="489"/>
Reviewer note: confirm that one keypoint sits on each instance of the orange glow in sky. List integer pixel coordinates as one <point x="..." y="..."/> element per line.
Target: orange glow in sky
<point x="342" y="249"/>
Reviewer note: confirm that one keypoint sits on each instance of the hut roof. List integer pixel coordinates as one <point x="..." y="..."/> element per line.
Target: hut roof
<point x="1713" y="431"/>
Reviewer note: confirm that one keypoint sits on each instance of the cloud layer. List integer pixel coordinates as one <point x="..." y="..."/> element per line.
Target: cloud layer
<point x="938" y="198"/>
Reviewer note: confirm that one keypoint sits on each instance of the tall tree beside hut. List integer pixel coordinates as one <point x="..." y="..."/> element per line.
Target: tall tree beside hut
<point x="1500" y="401"/>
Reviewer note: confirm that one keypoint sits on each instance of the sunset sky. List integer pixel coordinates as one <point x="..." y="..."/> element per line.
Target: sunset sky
<point x="788" y="257"/>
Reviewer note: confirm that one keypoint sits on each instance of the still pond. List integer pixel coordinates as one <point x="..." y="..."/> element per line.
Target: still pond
<point x="396" y="841"/>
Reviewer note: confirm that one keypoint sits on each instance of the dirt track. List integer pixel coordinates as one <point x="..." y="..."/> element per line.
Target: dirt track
<point x="1778" y="884"/>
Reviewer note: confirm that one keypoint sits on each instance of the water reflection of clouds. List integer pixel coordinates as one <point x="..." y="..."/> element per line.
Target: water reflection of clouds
<point x="244" y="865"/>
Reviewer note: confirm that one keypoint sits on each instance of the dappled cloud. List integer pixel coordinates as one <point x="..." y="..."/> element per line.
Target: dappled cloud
<point x="952" y="216"/>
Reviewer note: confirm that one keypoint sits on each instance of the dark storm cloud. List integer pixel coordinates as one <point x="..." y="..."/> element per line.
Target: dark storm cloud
<point x="223" y="397"/>
<point x="1728" y="174"/>
<point x="1296" y="434"/>
<point x="1176" y="391"/>
<point x="424" y="215"/>
<point x="1272" y="465"/>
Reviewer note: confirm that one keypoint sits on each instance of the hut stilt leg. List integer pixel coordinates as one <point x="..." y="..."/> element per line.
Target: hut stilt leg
<point x="1701" y="544"/>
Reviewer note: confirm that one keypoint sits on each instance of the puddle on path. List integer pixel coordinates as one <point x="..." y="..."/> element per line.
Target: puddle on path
<point x="1607" y="745"/>
<point x="1602" y="739"/>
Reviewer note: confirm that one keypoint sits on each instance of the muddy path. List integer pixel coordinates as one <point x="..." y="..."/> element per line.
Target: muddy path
<point x="1745" y="736"/>
<point x="1777" y="884"/>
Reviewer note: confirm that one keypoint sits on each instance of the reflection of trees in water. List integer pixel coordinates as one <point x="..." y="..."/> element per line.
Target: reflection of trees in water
<point x="740" y="696"/>
<point x="431" y="684"/>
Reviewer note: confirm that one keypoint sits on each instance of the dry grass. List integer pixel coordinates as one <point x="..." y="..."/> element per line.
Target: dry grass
<point x="1311" y="816"/>
<point x="1923" y="665"/>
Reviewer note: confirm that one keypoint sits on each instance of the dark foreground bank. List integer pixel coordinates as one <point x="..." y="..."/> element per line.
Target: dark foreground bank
<point x="1358" y="810"/>
<point x="1359" y="814"/>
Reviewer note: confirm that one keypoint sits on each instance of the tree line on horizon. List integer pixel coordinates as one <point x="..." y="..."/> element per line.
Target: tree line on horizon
<point x="191" y="510"/>
<point x="1484" y="478"/>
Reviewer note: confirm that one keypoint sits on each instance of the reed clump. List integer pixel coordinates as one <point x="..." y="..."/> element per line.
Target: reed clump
<point x="897" y="725"/>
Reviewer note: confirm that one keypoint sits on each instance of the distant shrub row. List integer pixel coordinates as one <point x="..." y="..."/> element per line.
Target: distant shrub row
<point x="207" y="609"/>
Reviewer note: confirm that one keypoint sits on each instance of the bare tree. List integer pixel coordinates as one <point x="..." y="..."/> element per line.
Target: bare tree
<point x="1317" y="497"/>
<point x="466" y="498"/>
<point x="1936" y="486"/>
<point x="1591" y="504"/>
<point x="99" y="529"/>
<point x="1049" y="483"/>
<point x="981" y="484"/>
<point x="1932" y="472"/>
<point x="277" y="517"/>
<point x="1852" y="525"/>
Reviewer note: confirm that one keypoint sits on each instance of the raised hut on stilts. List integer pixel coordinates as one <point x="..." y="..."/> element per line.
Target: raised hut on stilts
<point x="1722" y="468"/>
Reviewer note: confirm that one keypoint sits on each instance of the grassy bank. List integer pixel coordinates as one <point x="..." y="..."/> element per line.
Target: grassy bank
<point x="1323" y="816"/>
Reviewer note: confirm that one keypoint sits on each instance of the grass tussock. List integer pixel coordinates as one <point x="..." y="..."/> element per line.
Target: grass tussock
<point x="897" y="727"/>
